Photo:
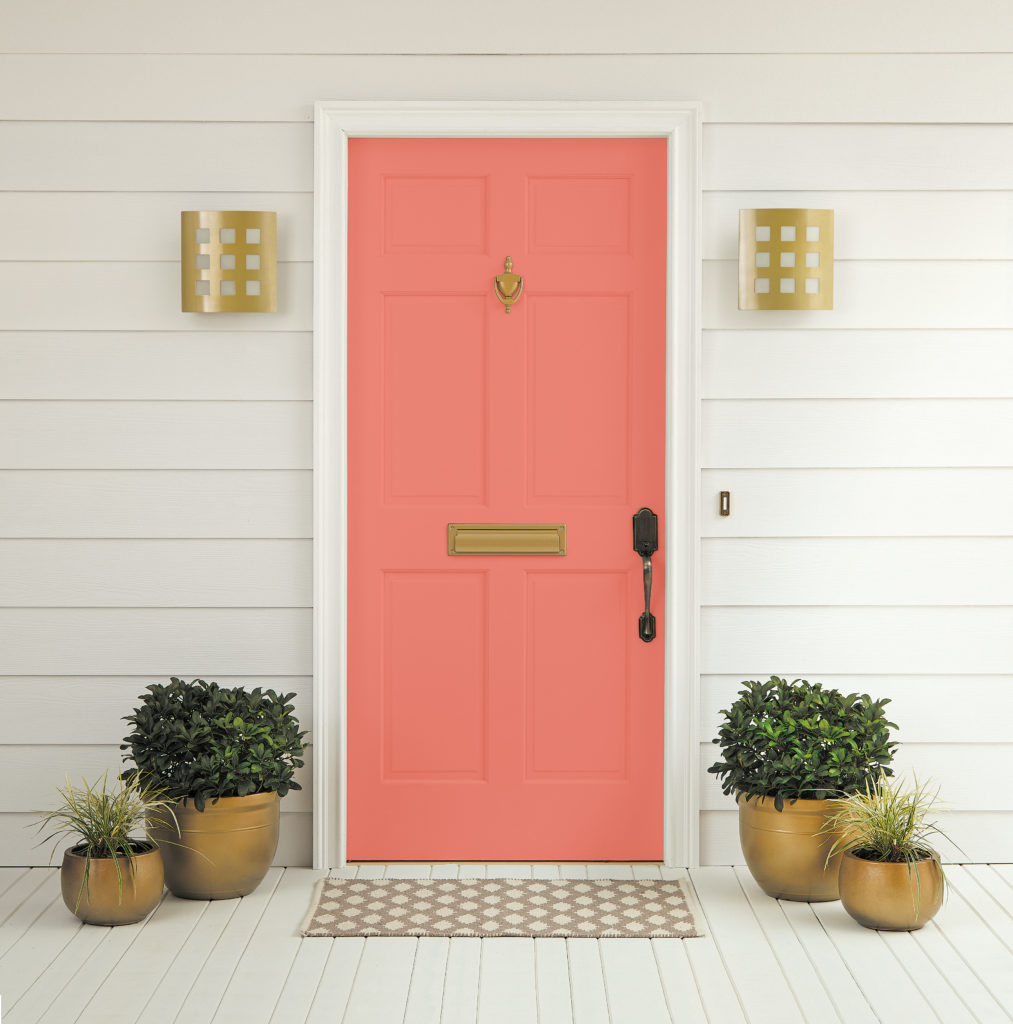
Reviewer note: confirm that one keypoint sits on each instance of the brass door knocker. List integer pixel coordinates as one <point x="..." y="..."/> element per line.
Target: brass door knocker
<point x="508" y="285"/>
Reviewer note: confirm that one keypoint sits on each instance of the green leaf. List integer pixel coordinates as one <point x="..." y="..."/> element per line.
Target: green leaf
<point x="783" y="739"/>
<point x="203" y="741"/>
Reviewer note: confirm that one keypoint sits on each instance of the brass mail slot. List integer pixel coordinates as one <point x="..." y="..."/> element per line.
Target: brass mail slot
<point x="506" y="538"/>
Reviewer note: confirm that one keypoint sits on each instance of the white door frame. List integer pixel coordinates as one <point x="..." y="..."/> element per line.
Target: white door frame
<point x="336" y="123"/>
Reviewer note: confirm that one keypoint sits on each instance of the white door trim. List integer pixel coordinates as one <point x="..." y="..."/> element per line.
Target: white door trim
<point x="336" y="123"/>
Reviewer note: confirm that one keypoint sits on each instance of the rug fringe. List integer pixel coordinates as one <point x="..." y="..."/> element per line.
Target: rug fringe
<point x="318" y="888"/>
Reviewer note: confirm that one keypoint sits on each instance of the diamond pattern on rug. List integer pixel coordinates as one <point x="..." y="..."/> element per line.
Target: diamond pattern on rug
<point x="570" y="908"/>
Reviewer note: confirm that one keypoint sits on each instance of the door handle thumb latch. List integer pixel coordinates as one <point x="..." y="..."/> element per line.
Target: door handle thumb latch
<point x="645" y="543"/>
<point x="508" y="285"/>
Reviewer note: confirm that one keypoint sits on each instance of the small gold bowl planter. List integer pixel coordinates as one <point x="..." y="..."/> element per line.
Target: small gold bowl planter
<point x="223" y="851"/>
<point x="101" y="903"/>
<point x="783" y="851"/>
<point x="884" y="895"/>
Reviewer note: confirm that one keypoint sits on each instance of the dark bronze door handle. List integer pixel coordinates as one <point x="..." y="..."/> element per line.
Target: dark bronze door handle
<point x="645" y="543"/>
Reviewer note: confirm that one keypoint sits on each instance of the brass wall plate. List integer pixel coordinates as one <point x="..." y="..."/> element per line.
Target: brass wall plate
<point x="786" y="259"/>
<point x="228" y="261"/>
<point x="506" y="538"/>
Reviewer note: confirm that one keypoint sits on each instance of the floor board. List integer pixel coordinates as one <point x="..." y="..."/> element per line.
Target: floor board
<point x="183" y="970"/>
<point x="843" y="994"/>
<point x="429" y="976"/>
<point x="25" y="902"/>
<point x="506" y="986"/>
<point x="812" y="998"/>
<point x="460" y="989"/>
<point x="124" y="994"/>
<point x="75" y="1001"/>
<point x="205" y="995"/>
<point x="948" y="963"/>
<point x="28" y="959"/>
<point x="39" y="996"/>
<point x="330" y="1000"/>
<point x="763" y="990"/>
<point x="678" y="981"/>
<point x="380" y="991"/>
<point x="977" y="945"/>
<point x="632" y="981"/>
<point x="761" y="960"/>
<point x="588" y="997"/>
<point x="552" y="982"/>
<point x="257" y="982"/>
<point x="893" y="995"/>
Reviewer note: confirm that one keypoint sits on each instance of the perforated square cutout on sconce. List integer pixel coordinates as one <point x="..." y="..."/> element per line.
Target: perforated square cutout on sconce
<point x="228" y="261"/>
<point x="786" y="259"/>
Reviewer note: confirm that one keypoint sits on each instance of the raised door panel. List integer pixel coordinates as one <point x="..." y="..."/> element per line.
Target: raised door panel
<point x="578" y="432"/>
<point x="434" y="398"/>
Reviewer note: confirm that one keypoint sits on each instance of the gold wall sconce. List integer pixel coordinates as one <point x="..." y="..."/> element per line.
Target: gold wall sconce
<point x="229" y="261"/>
<point x="786" y="259"/>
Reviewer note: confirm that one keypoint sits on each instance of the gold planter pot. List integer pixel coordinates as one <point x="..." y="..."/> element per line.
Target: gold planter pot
<point x="784" y="852"/>
<point x="101" y="901"/>
<point x="883" y="896"/>
<point x="223" y="851"/>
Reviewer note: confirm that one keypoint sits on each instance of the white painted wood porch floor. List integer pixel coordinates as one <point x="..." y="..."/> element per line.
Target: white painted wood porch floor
<point x="242" y="961"/>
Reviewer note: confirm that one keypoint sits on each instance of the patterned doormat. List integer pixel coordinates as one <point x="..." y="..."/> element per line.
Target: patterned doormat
<point x="587" y="908"/>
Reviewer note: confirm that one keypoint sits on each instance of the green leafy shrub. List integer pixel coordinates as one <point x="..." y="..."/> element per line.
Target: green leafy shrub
<point x="202" y="741"/>
<point x="797" y="740"/>
<point x="108" y="823"/>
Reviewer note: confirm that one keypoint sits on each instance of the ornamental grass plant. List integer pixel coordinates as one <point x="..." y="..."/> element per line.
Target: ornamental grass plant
<point x="797" y="740"/>
<point x="888" y="821"/>
<point x="108" y="823"/>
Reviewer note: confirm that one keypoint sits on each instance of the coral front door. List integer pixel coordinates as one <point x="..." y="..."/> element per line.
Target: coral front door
<point x="504" y="706"/>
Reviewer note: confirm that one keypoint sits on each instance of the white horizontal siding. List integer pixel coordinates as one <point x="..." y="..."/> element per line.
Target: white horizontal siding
<point x="914" y="703"/>
<point x="66" y="708"/>
<point x="859" y="641"/>
<point x="156" y="365"/>
<point x="156" y="573"/>
<point x="147" y="157"/>
<point x="857" y="433"/>
<point x="229" y="157"/>
<point x="150" y="503"/>
<point x="899" y="294"/>
<point x="398" y="26"/>
<point x="858" y="571"/>
<point x="858" y="502"/>
<point x="843" y="157"/>
<point x="146" y="641"/>
<point x="119" y="226"/>
<point x="888" y="87"/>
<point x="163" y="435"/>
<point x="893" y="225"/>
<point x="902" y="363"/>
<point x="59" y="296"/>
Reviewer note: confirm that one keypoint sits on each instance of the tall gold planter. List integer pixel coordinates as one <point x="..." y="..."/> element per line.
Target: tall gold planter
<point x="784" y="852"/>
<point x="223" y="851"/>
<point x="883" y="896"/>
<point x="103" y="901"/>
